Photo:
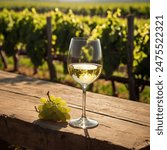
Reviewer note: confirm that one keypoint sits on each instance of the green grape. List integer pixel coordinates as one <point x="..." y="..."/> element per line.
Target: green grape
<point x="40" y="107"/>
<point x="67" y="116"/>
<point x="63" y="109"/>
<point x="47" y="105"/>
<point x="54" y="109"/>
<point x="55" y="100"/>
<point x="43" y="100"/>
<point x="62" y="103"/>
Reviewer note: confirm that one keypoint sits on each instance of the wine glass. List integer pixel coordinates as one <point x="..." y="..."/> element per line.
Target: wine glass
<point x="85" y="66"/>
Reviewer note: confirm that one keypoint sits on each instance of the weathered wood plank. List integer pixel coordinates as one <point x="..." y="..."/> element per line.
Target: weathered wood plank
<point x="119" y="108"/>
<point x="118" y="128"/>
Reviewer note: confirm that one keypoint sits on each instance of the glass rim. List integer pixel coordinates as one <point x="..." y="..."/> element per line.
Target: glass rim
<point x="84" y="39"/>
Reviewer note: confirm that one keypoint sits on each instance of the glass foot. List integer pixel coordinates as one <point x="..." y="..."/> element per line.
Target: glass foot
<point x="83" y="123"/>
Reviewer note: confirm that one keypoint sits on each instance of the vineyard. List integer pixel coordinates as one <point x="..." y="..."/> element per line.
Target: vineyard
<point x="27" y="33"/>
<point x="139" y="9"/>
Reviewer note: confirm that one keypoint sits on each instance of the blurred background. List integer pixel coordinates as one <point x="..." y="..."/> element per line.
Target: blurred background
<point x="35" y="36"/>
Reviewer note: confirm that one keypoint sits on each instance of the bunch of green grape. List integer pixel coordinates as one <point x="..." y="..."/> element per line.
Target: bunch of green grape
<point x="53" y="108"/>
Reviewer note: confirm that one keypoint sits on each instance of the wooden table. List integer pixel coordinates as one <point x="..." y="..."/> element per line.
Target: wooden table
<point x="123" y="124"/>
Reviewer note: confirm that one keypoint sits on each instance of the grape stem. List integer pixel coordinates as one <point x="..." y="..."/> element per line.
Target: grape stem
<point x="36" y="109"/>
<point x="49" y="96"/>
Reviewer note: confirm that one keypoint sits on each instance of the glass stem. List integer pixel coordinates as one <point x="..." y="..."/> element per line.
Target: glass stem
<point x="84" y="101"/>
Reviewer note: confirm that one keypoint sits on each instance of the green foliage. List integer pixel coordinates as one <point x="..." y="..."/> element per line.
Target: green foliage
<point x="139" y="9"/>
<point x="24" y="30"/>
<point x="27" y="30"/>
<point x="66" y="27"/>
<point x="112" y="35"/>
<point x="54" y="109"/>
<point x="35" y="33"/>
<point x="8" y="21"/>
<point x="142" y="52"/>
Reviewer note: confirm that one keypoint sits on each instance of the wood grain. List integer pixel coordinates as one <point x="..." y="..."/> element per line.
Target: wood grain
<point x="123" y="124"/>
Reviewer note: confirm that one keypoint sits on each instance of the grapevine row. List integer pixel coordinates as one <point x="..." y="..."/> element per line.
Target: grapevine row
<point x="139" y="10"/>
<point x="26" y="31"/>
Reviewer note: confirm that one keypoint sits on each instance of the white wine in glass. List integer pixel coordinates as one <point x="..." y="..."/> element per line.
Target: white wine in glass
<point x="85" y="66"/>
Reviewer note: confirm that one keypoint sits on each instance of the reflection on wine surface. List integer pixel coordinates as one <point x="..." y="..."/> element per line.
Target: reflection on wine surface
<point x="84" y="73"/>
